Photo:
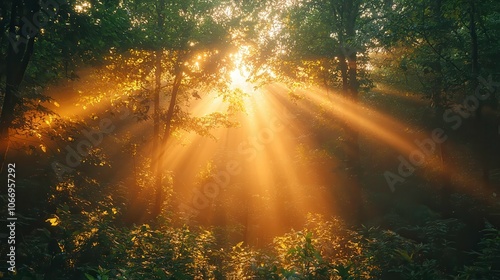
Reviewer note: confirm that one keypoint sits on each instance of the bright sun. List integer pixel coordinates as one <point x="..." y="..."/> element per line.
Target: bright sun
<point x="240" y="74"/>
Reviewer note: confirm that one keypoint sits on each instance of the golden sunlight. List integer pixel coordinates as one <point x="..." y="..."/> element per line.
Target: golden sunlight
<point x="241" y="73"/>
<point x="83" y="7"/>
<point x="250" y="140"/>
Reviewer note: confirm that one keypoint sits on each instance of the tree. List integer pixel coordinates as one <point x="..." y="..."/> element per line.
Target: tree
<point x="181" y="53"/>
<point x="66" y="35"/>
<point x="447" y="48"/>
<point x="322" y="43"/>
<point x="21" y="40"/>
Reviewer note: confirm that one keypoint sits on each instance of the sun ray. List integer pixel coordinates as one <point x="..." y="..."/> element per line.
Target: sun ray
<point x="391" y="132"/>
<point x="286" y="148"/>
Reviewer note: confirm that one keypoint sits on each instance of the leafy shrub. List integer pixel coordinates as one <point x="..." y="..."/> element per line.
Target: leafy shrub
<point x="487" y="259"/>
<point x="92" y="245"/>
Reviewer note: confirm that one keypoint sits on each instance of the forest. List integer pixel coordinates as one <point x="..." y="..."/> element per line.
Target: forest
<point x="233" y="139"/>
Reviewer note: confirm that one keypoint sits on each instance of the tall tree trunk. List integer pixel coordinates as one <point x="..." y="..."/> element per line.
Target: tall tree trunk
<point x="349" y="13"/>
<point x="439" y="101"/>
<point x="483" y="135"/>
<point x="352" y="145"/>
<point x="171" y="106"/>
<point x="474" y="43"/>
<point x="155" y="159"/>
<point x="343" y="73"/>
<point x="351" y="9"/>
<point x="159" y="197"/>
<point x="353" y="96"/>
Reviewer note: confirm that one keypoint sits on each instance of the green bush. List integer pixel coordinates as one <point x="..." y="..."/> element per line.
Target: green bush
<point x="91" y="245"/>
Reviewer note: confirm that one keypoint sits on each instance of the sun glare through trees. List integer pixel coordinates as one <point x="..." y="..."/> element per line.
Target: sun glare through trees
<point x="222" y="139"/>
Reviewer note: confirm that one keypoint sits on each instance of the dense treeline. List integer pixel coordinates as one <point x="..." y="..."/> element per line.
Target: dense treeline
<point x="124" y="120"/>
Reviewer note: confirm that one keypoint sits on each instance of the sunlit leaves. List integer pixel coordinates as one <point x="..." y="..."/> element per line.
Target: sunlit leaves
<point x="304" y="40"/>
<point x="235" y="98"/>
<point x="429" y="47"/>
<point x="204" y="125"/>
<point x="54" y="221"/>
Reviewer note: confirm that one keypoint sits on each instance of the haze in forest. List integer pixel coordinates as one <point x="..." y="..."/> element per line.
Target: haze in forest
<point x="223" y="139"/>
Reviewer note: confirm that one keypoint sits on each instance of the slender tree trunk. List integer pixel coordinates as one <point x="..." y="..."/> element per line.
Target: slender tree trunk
<point x="155" y="159"/>
<point x="353" y="96"/>
<point x="483" y="135"/>
<point x="439" y="101"/>
<point x="343" y="73"/>
<point x="351" y="13"/>
<point x="159" y="197"/>
<point x="171" y="106"/>
<point x="351" y="146"/>
<point x="348" y="12"/>
<point x="474" y="43"/>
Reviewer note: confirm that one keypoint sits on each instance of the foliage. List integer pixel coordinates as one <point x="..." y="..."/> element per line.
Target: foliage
<point x="428" y="45"/>
<point x="141" y="54"/>
<point x="486" y="259"/>
<point x="95" y="246"/>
